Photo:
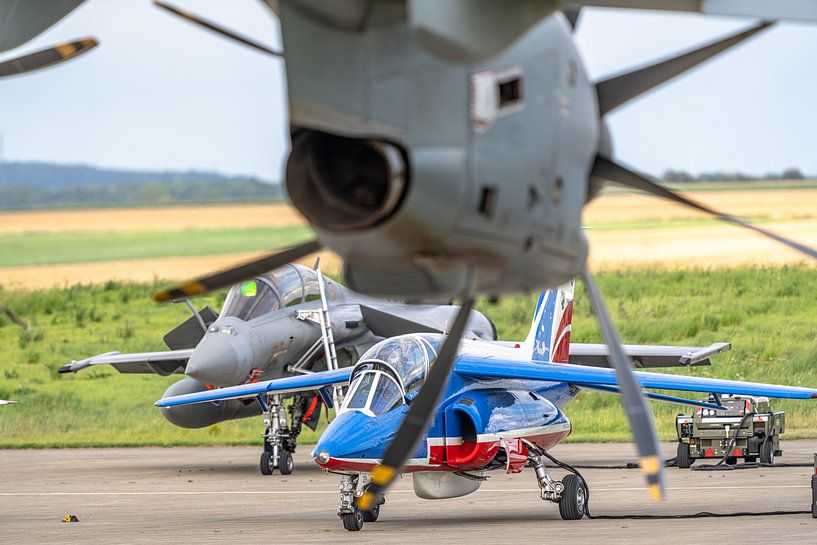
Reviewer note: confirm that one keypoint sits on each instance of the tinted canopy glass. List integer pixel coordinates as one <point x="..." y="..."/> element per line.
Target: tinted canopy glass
<point x="250" y="299"/>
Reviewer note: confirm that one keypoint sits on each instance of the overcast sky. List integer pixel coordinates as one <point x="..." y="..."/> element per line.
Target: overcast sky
<point x="162" y="94"/>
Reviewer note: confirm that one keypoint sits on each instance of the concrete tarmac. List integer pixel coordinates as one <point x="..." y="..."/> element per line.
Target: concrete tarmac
<point x="201" y="495"/>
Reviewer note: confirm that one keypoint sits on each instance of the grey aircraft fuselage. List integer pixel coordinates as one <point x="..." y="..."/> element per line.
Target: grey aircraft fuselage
<point x="262" y="331"/>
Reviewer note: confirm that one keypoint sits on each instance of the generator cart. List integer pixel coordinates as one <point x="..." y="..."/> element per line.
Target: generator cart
<point x="745" y="428"/>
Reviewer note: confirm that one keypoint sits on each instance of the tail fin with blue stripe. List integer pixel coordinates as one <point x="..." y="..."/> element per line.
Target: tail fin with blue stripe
<point x="549" y="335"/>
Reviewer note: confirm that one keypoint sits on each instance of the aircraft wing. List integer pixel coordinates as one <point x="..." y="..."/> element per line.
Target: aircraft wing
<point x="595" y="355"/>
<point x="643" y="355"/>
<point x="481" y="367"/>
<point x="764" y="9"/>
<point x="299" y="383"/>
<point x="161" y="363"/>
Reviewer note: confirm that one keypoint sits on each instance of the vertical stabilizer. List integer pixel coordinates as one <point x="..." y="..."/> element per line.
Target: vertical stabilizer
<point x="549" y="335"/>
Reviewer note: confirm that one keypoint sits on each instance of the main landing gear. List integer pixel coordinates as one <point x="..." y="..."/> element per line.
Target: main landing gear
<point x="351" y="488"/>
<point x="280" y="440"/>
<point x="570" y="493"/>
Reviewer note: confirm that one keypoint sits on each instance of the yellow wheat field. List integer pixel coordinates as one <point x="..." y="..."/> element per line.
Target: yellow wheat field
<point x="791" y="212"/>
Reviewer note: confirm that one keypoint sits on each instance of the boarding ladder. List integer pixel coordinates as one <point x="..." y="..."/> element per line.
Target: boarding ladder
<point x="321" y="317"/>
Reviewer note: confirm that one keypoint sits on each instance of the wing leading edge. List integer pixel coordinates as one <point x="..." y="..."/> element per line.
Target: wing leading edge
<point x="162" y="363"/>
<point x="300" y="383"/>
<point x="476" y="367"/>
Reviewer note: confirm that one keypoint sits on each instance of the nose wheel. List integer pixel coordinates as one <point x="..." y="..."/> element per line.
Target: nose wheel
<point x="280" y="439"/>
<point x="351" y="488"/>
<point x="284" y="464"/>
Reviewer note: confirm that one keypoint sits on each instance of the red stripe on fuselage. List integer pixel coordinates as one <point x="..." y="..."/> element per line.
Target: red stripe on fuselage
<point x="468" y="456"/>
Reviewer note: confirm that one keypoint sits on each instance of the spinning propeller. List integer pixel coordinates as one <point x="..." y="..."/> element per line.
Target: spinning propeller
<point x="612" y="93"/>
<point x="46" y="57"/>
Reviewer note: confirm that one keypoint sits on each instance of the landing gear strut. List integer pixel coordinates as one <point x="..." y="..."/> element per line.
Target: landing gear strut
<point x="570" y="493"/>
<point x="351" y="488"/>
<point x="280" y="440"/>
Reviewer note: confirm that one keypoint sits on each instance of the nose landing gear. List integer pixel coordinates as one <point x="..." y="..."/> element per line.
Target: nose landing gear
<point x="280" y="439"/>
<point x="351" y="488"/>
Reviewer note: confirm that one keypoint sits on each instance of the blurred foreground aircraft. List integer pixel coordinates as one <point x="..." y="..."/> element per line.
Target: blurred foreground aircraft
<point x="22" y="20"/>
<point x="501" y="409"/>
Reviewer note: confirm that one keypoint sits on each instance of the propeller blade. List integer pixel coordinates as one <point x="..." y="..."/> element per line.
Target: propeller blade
<point x="635" y="404"/>
<point x="238" y="273"/>
<point x="195" y="19"/>
<point x="46" y="57"/>
<point x="610" y="170"/>
<point x="419" y="414"/>
<point x="615" y="91"/>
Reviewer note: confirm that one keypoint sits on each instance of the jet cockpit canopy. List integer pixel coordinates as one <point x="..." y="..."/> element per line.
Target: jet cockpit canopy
<point x="391" y="371"/>
<point x="286" y="286"/>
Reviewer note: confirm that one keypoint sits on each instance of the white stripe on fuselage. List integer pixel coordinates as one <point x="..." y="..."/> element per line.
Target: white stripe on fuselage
<point x="510" y="434"/>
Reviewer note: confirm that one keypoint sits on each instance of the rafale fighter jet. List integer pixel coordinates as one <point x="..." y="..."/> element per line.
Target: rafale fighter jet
<point x="504" y="407"/>
<point x="446" y="148"/>
<point x="270" y="327"/>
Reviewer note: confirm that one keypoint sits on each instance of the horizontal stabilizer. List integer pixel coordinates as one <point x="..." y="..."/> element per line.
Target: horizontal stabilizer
<point x="596" y="355"/>
<point x="620" y="89"/>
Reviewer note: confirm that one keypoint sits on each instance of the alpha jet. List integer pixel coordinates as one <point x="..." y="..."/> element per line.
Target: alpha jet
<point x="270" y="327"/>
<point x="502" y="408"/>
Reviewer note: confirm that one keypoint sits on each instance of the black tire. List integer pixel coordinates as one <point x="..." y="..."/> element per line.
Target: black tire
<point x="286" y="464"/>
<point x="352" y="521"/>
<point x="573" y="503"/>
<point x="371" y="516"/>
<point x="750" y="459"/>
<point x="684" y="460"/>
<point x="266" y="463"/>
<point x="731" y="460"/>
<point x="767" y="451"/>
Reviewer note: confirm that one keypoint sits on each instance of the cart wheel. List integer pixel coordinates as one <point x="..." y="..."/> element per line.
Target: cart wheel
<point x="574" y="498"/>
<point x="731" y="460"/>
<point x="767" y="450"/>
<point x="684" y="460"/>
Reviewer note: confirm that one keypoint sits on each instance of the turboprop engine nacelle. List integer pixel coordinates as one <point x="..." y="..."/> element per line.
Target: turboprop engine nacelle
<point x="204" y="414"/>
<point x="424" y="170"/>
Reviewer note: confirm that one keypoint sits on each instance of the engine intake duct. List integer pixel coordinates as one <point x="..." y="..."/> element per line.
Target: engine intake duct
<point x="345" y="184"/>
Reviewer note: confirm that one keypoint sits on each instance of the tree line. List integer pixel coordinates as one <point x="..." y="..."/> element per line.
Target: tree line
<point x="682" y="176"/>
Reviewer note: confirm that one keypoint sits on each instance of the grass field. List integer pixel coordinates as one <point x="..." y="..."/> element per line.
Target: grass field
<point x="768" y="315"/>
<point x="61" y="248"/>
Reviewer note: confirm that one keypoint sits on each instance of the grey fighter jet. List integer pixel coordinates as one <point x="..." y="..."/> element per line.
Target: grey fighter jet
<point x="272" y="326"/>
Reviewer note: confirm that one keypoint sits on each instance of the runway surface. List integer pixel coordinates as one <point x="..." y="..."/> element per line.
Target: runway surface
<point x="198" y="495"/>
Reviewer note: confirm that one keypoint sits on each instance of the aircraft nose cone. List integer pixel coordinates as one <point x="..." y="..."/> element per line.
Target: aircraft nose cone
<point x="215" y="361"/>
<point x="355" y="441"/>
